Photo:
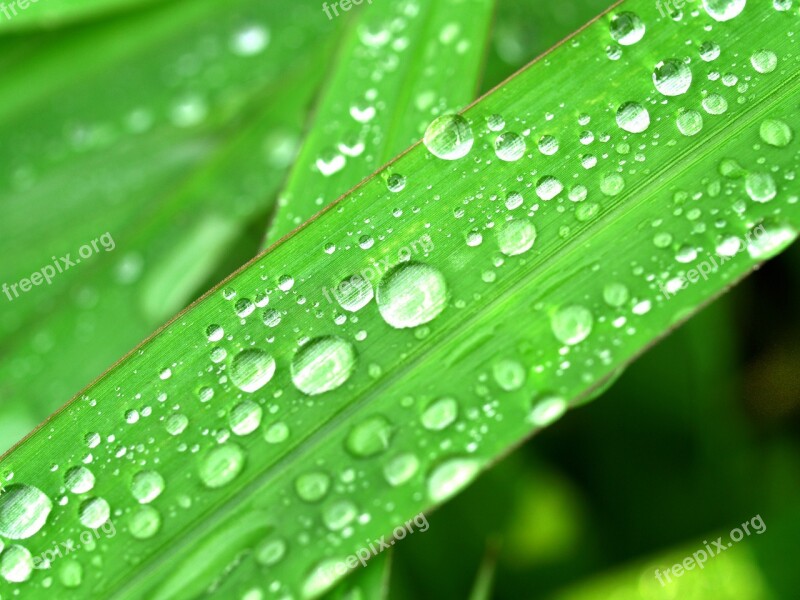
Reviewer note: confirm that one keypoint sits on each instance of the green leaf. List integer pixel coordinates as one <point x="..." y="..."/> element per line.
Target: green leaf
<point x="290" y="416"/>
<point x="400" y="66"/>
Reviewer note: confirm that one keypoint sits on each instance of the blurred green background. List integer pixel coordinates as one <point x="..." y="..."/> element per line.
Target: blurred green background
<point x="173" y="125"/>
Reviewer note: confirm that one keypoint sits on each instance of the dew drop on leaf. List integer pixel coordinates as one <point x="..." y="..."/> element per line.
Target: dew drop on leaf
<point x="221" y="465"/>
<point x="450" y="477"/>
<point x="23" y="511"/>
<point x="144" y="522"/>
<point x="449" y="137"/>
<point x="323" y="364"/>
<point x="146" y="486"/>
<point x="572" y="324"/>
<point x="79" y="480"/>
<point x="411" y="295"/>
<point x="400" y="469"/>
<point x="440" y="414"/>
<point x="724" y="10"/>
<point x="371" y="437"/>
<point x="16" y="564"/>
<point x="94" y="512"/>
<point x="252" y="369"/>
<point x="313" y="487"/>
<point x="672" y="77"/>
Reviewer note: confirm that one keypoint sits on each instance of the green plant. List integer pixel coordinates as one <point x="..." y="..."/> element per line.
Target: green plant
<point x="518" y="261"/>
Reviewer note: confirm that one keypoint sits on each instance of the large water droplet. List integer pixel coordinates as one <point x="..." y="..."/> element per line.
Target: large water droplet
<point x="221" y="465"/>
<point x="23" y="511"/>
<point x="411" y="295"/>
<point x="451" y="477"/>
<point x="572" y="324"/>
<point x="764" y="61"/>
<point x="449" y="137"/>
<point x="724" y="10"/>
<point x="672" y="77"/>
<point x="16" y="564"/>
<point x="252" y="369"/>
<point x="323" y="364"/>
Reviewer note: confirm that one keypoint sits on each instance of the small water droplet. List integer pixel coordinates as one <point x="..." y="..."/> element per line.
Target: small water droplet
<point x="572" y="324"/>
<point x="144" y="522"/>
<point x="146" y="486"/>
<point x="516" y="237"/>
<point x="724" y="10"/>
<point x="313" y="487"/>
<point x="400" y="469"/>
<point x="440" y="414"/>
<point x="252" y="369"/>
<point x="451" y="477"/>
<point x="94" y="512"/>
<point x="509" y="147"/>
<point x="626" y="28"/>
<point x="371" y="437"/>
<point x="79" y="480"/>
<point x="222" y="465"/>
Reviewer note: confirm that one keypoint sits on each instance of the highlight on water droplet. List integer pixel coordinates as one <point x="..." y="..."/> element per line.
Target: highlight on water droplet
<point x="547" y="409"/>
<point x="450" y="477"/>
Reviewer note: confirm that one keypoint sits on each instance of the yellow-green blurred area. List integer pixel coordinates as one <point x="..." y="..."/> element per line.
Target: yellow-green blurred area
<point x="172" y="125"/>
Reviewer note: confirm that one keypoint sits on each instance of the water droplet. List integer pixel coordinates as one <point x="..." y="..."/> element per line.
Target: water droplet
<point x="146" y="486"/>
<point x="449" y="137"/>
<point x="612" y="184"/>
<point x="370" y="437"/>
<point x="516" y="237"/>
<point x="626" y="28"/>
<point x="70" y="573"/>
<point x="764" y="61"/>
<point x="709" y="51"/>
<point x="440" y="414"/>
<point x="548" y="145"/>
<point x="714" y="104"/>
<point x="672" y="77"/>
<point x="323" y="364"/>
<point x="760" y="187"/>
<point x="272" y="318"/>
<point x="16" y="564"/>
<point x="689" y="122"/>
<point x="572" y="324"/>
<point x="221" y="465"/>
<point x="615" y="294"/>
<point x="495" y="122"/>
<point x="548" y="409"/>
<point x="724" y="10"/>
<point x="252" y="369"/>
<point x="244" y="307"/>
<point x="245" y="417"/>
<point x="633" y="117"/>
<point x="339" y="515"/>
<point x="79" y="480"/>
<point x="270" y="552"/>
<point x="92" y="439"/>
<point x="176" y="424"/>
<point x="770" y="239"/>
<point x="144" y="522"/>
<point x="775" y="133"/>
<point x="451" y="477"/>
<point x="94" y="512"/>
<point x="509" y="374"/>
<point x="250" y="40"/>
<point x="509" y="147"/>
<point x="323" y="577"/>
<point x="412" y="294"/>
<point x="214" y="333"/>
<point x="313" y="487"/>
<point x="548" y="187"/>
<point x="400" y="469"/>
<point x="23" y="511"/>
<point x="354" y="293"/>
<point x="514" y="200"/>
<point x="395" y="183"/>
<point x="276" y="433"/>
